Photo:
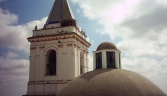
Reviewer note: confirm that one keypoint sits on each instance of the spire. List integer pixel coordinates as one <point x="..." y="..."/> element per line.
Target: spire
<point x="60" y="10"/>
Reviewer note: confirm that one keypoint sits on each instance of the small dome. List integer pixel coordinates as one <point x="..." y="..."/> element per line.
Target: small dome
<point x="111" y="82"/>
<point x="106" y="45"/>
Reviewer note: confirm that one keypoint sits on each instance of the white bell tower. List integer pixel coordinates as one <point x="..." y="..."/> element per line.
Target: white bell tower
<point x="58" y="52"/>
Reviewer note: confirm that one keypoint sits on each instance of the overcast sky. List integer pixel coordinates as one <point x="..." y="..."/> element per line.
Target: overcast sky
<point x="137" y="27"/>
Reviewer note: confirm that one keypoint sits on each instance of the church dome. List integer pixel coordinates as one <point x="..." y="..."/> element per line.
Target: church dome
<point x="106" y="45"/>
<point x="111" y="82"/>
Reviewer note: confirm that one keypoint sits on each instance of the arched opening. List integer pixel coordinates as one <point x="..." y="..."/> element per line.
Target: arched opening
<point x="110" y="59"/>
<point x="99" y="60"/>
<point x="51" y="62"/>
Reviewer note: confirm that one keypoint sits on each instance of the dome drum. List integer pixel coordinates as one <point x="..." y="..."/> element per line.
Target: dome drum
<point x="106" y="56"/>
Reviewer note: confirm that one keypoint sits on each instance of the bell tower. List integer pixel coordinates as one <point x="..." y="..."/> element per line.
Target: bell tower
<point x="58" y="52"/>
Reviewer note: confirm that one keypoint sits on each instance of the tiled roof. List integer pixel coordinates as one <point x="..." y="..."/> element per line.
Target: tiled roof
<point x="60" y="10"/>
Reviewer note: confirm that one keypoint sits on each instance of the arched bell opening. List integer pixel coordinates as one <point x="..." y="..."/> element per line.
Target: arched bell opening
<point x="51" y="61"/>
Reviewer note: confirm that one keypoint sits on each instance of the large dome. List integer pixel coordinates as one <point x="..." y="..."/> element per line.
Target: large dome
<point x="111" y="82"/>
<point x="106" y="45"/>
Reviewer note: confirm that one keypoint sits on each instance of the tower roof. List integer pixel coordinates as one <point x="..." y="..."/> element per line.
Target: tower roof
<point x="60" y="10"/>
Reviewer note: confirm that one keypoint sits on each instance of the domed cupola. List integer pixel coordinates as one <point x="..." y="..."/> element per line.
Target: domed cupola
<point x="106" y="45"/>
<point x="106" y="56"/>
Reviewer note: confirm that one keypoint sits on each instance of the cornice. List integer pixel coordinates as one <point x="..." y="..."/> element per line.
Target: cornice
<point x="59" y="37"/>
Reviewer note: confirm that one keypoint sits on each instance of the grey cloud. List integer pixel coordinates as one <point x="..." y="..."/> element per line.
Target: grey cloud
<point x="14" y="67"/>
<point x="14" y="76"/>
<point x="10" y="55"/>
<point x="153" y="21"/>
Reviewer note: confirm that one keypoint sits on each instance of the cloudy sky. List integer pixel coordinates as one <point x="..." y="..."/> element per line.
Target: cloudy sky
<point x="137" y="27"/>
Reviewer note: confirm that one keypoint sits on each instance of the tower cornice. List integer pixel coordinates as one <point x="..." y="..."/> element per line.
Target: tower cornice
<point x="59" y="37"/>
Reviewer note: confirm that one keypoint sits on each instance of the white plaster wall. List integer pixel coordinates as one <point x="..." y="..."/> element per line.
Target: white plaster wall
<point x="31" y="89"/>
<point x="87" y="62"/>
<point x="120" y="61"/>
<point x="78" y="61"/>
<point x="32" y="63"/>
<point x="117" y="59"/>
<point x="104" y="62"/>
<point x="37" y="68"/>
<point x="84" y="63"/>
<point x="70" y="65"/>
<point x="75" y="62"/>
<point x="94" y="60"/>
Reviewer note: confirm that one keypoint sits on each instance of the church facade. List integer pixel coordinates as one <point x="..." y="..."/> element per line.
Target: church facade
<point x="58" y="52"/>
